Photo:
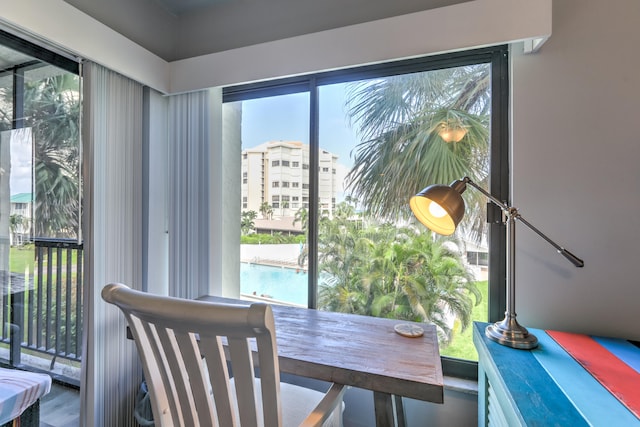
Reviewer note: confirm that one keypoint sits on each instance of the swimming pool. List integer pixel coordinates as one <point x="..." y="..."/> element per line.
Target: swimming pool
<point x="284" y="284"/>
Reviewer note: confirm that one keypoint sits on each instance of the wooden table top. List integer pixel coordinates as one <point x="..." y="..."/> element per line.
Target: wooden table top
<point x="359" y="351"/>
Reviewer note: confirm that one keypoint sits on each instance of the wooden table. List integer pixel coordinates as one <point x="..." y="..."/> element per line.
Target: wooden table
<point x="359" y="351"/>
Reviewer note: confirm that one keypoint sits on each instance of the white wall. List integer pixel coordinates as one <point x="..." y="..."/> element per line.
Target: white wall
<point x="463" y="26"/>
<point x="576" y="170"/>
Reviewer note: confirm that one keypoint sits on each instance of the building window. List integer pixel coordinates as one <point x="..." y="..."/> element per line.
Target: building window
<point x="367" y="198"/>
<point x="295" y="164"/>
<point x="295" y="184"/>
<point x="275" y="198"/>
<point x="285" y="184"/>
<point x="275" y="163"/>
<point x="275" y="184"/>
<point x="285" y="163"/>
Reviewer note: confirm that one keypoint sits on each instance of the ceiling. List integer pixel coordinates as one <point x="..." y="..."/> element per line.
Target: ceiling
<point x="178" y="7"/>
<point x="179" y="29"/>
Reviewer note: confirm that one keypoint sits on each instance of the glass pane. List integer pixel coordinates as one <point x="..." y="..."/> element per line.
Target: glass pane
<point x="382" y="141"/>
<point x="274" y="198"/>
<point x="40" y="256"/>
<point x="52" y="110"/>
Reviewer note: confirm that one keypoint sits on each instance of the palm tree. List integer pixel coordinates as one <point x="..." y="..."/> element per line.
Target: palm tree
<point x="302" y="216"/>
<point x="397" y="273"/>
<point x="17" y="223"/>
<point x="266" y="210"/>
<point x="247" y="221"/>
<point x="52" y="110"/>
<point x="399" y="119"/>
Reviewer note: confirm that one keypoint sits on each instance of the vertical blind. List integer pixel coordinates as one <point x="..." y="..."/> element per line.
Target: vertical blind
<point x="189" y="135"/>
<point x="112" y="135"/>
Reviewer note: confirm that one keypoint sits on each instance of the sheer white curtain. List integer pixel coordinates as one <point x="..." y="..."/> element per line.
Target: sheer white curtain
<point x="189" y="139"/>
<point x="112" y="143"/>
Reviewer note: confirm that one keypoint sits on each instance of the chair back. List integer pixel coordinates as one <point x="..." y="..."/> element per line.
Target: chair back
<point x="180" y="343"/>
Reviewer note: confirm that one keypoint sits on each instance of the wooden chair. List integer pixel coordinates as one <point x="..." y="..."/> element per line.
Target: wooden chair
<point x="184" y="346"/>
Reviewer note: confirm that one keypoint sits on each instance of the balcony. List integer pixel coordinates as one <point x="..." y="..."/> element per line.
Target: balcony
<point x="42" y="310"/>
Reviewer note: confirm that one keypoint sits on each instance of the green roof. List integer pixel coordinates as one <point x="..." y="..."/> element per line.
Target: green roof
<point x="22" y="198"/>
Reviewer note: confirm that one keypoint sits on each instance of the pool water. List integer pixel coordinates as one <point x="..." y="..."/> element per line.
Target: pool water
<point x="284" y="284"/>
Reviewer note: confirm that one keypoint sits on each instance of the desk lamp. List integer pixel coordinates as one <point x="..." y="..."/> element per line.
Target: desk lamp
<point x="441" y="207"/>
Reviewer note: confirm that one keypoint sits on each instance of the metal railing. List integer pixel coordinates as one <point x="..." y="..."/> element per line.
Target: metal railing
<point x="42" y="308"/>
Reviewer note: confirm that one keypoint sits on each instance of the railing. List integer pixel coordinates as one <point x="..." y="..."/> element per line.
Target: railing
<point x="42" y="308"/>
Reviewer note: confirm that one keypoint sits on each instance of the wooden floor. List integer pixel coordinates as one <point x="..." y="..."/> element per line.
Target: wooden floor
<point x="60" y="407"/>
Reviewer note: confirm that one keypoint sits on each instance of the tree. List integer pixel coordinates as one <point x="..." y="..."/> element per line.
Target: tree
<point x="52" y="110"/>
<point x="401" y="273"/>
<point x="17" y="223"/>
<point x="302" y="216"/>
<point x="399" y="119"/>
<point x="266" y="210"/>
<point x="247" y="221"/>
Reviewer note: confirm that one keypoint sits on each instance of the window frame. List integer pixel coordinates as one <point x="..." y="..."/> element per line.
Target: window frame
<point x="498" y="58"/>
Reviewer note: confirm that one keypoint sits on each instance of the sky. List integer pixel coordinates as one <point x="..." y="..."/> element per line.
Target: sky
<point x="21" y="165"/>
<point x="286" y="118"/>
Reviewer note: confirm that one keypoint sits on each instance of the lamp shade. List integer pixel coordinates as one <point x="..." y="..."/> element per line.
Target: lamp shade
<point x="439" y="207"/>
<point x="452" y="134"/>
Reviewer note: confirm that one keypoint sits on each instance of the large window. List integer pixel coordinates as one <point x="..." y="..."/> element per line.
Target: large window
<point x="369" y="139"/>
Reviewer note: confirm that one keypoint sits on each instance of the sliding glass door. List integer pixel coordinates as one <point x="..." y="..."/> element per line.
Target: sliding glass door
<point x="40" y="187"/>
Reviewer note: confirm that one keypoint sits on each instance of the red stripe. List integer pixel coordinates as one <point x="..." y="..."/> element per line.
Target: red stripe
<point x="616" y="376"/>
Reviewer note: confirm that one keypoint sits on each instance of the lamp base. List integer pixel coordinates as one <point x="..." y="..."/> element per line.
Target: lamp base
<point x="509" y="333"/>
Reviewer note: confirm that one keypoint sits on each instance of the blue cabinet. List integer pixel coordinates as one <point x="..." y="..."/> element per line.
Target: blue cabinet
<point x="542" y="387"/>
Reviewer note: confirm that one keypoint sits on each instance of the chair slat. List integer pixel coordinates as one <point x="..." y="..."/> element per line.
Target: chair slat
<point x="166" y="410"/>
<point x="269" y="379"/>
<point x="175" y="365"/>
<point x="199" y="389"/>
<point x="216" y="362"/>
<point x="242" y="363"/>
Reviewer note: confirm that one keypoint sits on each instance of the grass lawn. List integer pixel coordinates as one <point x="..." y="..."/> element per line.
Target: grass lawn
<point x="21" y="257"/>
<point x="462" y="343"/>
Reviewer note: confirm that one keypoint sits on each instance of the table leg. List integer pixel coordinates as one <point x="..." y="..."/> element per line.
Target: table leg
<point x="399" y="410"/>
<point x="389" y="410"/>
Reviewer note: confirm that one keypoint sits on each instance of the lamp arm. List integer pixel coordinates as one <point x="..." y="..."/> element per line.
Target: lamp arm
<point x="490" y="196"/>
<point x="512" y="211"/>
<point x="562" y="251"/>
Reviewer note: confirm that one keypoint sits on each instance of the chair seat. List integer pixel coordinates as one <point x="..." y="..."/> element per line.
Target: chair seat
<point x="297" y="404"/>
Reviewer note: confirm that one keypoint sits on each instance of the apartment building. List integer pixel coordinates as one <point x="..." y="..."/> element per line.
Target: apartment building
<point x="21" y="212"/>
<point x="277" y="173"/>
